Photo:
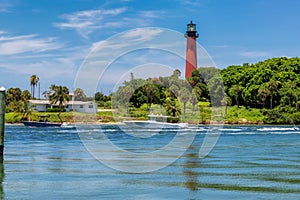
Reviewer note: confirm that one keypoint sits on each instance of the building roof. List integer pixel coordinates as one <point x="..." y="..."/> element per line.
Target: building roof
<point x="45" y="102"/>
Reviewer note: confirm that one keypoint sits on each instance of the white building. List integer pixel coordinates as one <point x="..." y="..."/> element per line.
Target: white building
<point x="78" y="106"/>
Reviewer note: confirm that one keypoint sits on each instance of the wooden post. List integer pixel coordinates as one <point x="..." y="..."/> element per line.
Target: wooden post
<point x="2" y="121"/>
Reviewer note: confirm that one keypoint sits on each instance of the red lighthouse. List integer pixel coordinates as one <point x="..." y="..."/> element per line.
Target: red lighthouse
<point x="191" y="49"/>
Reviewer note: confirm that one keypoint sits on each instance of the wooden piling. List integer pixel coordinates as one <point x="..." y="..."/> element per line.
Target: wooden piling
<point x="2" y="120"/>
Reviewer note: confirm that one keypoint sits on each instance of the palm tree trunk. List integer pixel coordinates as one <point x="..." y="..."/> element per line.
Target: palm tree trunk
<point x="33" y="89"/>
<point x="59" y="113"/>
<point x="271" y="102"/>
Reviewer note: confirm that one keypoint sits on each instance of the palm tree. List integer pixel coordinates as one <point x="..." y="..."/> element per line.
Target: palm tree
<point x="79" y="95"/>
<point x="272" y="86"/>
<point x="193" y="100"/>
<point x="34" y="79"/>
<point x="151" y="91"/>
<point x="60" y="95"/>
<point x="176" y="73"/>
<point x="263" y="93"/>
<point x="171" y="104"/>
<point x="184" y="96"/>
<point x="226" y="101"/>
<point x="235" y="92"/>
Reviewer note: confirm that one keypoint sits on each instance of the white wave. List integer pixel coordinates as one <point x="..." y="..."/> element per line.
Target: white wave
<point x="278" y="129"/>
<point x="231" y="129"/>
<point x="241" y="133"/>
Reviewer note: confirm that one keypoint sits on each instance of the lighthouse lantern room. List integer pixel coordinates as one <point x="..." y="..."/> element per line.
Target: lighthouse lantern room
<point x="191" y="49"/>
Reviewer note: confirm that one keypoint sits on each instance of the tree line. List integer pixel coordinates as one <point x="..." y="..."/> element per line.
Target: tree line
<point x="17" y="100"/>
<point x="271" y="85"/>
<point x="169" y="92"/>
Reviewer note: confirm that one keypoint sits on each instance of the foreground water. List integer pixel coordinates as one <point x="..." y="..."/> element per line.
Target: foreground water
<point x="248" y="162"/>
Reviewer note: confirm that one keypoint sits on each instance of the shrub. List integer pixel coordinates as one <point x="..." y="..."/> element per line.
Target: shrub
<point x="12" y="117"/>
<point x="296" y="117"/>
<point x="173" y="120"/>
<point x="55" y="110"/>
<point x="107" y="104"/>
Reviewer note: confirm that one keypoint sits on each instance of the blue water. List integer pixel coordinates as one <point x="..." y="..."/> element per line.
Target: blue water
<point x="247" y="162"/>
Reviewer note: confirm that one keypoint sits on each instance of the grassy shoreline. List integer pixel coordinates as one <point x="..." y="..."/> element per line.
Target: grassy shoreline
<point x="234" y="116"/>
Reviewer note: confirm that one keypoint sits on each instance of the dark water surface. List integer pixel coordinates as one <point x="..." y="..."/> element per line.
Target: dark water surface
<point x="248" y="162"/>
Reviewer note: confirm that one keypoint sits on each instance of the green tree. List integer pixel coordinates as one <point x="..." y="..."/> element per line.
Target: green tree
<point x="172" y="106"/>
<point x="99" y="96"/>
<point x="151" y="92"/>
<point x="123" y="96"/>
<point x="272" y="74"/>
<point x="13" y="95"/>
<point x="138" y="98"/>
<point x="289" y="94"/>
<point x="174" y="90"/>
<point x="236" y="91"/>
<point x="195" y="78"/>
<point x="79" y="95"/>
<point x="263" y="94"/>
<point x="25" y="95"/>
<point x="60" y="95"/>
<point x="176" y="73"/>
<point x="24" y="105"/>
<point x="17" y="101"/>
<point x="272" y="87"/>
<point x="226" y="101"/>
<point x="184" y="96"/>
<point x="34" y="79"/>
<point x="193" y="100"/>
<point x="216" y="90"/>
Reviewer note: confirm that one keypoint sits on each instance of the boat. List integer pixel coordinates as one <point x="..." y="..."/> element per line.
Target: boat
<point x="43" y="122"/>
<point x="154" y="121"/>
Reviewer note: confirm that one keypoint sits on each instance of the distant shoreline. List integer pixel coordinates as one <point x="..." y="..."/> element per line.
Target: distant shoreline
<point x="206" y="124"/>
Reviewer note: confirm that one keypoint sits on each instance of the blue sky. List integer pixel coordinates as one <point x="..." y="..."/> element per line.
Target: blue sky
<point x="51" y="38"/>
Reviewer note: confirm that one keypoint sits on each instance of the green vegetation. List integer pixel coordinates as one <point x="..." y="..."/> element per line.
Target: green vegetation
<point x="60" y="95"/>
<point x="56" y="110"/>
<point x="271" y="85"/>
<point x="34" y="79"/>
<point x="71" y="117"/>
<point x="103" y="100"/>
<point x="264" y="92"/>
<point x="12" y="117"/>
<point x="242" y="115"/>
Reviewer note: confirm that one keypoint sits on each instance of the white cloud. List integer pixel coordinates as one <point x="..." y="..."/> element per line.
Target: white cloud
<point x="193" y="2"/>
<point x="123" y="40"/>
<point x="58" y="64"/>
<point x="24" y="55"/>
<point x="87" y="21"/>
<point x="20" y="37"/>
<point x="111" y="59"/>
<point x="255" y="54"/>
<point x="11" y="45"/>
<point x="142" y="34"/>
<point x="152" y="13"/>
<point x="60" y="69"/>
